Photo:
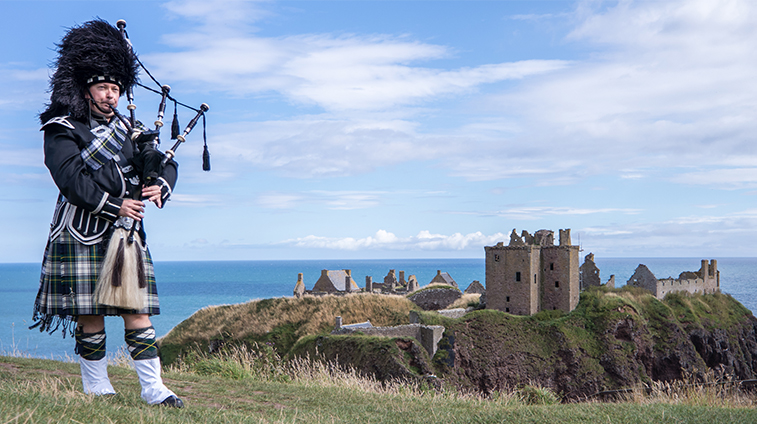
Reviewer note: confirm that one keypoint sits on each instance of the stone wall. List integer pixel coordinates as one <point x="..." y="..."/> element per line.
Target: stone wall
<point x="560" y="285"/>
<point x="588" y="274"/>
<point x="532" y="274"/>
<point x="512" y="276"/>
<point x="706" y="280"/>
<point x="427" y="335"/>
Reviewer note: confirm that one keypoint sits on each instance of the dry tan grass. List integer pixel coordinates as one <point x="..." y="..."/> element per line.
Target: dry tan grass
<point x="712" y="392"/>
<point x="313" y="314"/>
<point x="263" y="365"/>
<point x="465" y="300"/>
<point x="53" y="387"/>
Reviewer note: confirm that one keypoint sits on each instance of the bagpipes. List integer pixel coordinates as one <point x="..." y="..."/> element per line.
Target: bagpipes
<point x="123" y="281"/>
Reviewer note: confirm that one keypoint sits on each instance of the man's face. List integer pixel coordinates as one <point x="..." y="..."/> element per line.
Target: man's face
<point x="103" y="94"/>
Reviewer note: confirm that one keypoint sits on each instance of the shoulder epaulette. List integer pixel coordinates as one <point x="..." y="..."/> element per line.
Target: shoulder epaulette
<point x="60" y="120"/>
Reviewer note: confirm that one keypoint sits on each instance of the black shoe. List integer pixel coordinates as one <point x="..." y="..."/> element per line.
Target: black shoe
<point x="173" y="402"/>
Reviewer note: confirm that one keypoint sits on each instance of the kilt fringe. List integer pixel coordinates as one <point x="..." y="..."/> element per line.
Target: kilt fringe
<point x="51" y="323"/>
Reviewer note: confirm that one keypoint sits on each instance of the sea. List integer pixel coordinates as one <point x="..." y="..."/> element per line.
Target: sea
<point x="186" y="287"/>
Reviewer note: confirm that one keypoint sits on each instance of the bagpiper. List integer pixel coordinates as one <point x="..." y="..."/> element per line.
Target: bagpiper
<point x="93" y="160"/>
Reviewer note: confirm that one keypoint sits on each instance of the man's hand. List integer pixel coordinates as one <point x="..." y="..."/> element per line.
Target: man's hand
<point x="153" y="193"/>
<point x="131" y="208"/>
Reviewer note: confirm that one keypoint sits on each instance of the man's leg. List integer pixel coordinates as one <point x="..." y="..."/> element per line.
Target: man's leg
<point x="90" y="345"/>
<point x="140" y="339"/>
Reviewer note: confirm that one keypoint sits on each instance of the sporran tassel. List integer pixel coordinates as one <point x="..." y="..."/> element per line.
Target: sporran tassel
<point x="175" y="128"/>
<point x="122" y="278"/>
<point x="141" y="278"/>
<point x="118" y="264"/>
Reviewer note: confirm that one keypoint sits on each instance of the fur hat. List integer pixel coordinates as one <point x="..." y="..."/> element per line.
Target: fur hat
<point x="92" y="52"/>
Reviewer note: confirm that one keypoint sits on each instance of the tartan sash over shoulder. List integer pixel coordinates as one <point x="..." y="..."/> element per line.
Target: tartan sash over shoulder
<point x="109" y="140"/>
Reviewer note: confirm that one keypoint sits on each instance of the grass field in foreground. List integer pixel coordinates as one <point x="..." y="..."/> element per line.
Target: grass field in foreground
<point x="42" y="391"/>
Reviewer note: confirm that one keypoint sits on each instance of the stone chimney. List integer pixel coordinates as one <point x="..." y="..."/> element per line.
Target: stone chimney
<point x="299" y="288"/>
<point x="369" y="284"/>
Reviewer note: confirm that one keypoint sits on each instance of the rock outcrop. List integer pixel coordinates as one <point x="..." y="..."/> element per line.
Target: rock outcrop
<point x="614" y="339"/>
<point x="435" y="297"/>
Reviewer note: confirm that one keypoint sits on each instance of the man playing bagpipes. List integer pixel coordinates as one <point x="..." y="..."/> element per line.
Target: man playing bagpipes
<point x="96" y="262"/>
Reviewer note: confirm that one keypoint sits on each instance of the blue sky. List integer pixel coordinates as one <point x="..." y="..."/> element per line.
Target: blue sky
<point x="419" y="129"/>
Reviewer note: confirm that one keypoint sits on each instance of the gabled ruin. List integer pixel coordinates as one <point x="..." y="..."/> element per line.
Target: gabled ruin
<point x="706" y="280"/>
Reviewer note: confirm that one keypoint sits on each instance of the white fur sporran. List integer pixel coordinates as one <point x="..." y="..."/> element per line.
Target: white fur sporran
<point x="122" y="281"/>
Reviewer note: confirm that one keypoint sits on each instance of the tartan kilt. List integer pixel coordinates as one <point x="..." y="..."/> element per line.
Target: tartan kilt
<point x="67" y="283"/>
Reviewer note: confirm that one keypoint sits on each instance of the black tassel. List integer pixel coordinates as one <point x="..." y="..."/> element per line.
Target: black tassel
<point x="205" y="159"/>
<point x="175" y="129"/>
<point x="118" y="264"/>
<point x="140" y="268"/>
<point x="205" y="152"/>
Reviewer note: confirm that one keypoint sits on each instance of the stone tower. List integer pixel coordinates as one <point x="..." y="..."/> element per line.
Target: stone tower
<point x="532" y="274"/>
<point x="561" y="285"/>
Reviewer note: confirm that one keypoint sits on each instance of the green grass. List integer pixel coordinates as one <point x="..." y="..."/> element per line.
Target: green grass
<point x="41" y="391"/>
<point x="280" y="321"/>
<point x="615" y="338"/>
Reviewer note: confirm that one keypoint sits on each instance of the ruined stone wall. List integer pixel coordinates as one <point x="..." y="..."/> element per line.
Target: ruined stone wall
<point x="644" y="278"/>
<point x="706" y="280"/>
<point x="589" y="273"/>
<point x="427" y="335"/>
<point x="512" y="278"/>
<point x="667" y="285"/>
<point x="560" y="285"/>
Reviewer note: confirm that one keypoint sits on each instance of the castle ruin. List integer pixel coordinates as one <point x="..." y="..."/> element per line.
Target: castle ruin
<point x="706" y="280"/>
<point x="532" y="274"/>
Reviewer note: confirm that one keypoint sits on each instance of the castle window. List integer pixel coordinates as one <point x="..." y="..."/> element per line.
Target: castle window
<point x="508" y="298"/>
<point x="557" y="284"/>
<point x="496" y="258"/>
<point x="517" y="276"/>
<point x="551" y="266"/>
<point x="507" y="309"/>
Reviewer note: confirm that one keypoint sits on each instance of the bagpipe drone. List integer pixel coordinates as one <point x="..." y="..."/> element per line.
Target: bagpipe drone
<point x="122" y="282"/>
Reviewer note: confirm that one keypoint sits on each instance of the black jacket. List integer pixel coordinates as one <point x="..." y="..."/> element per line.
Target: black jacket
<point x="91" y="199"/>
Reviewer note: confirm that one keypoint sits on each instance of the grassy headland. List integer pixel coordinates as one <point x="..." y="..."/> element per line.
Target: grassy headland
<point x="233" y="389"/>
<point x="613" y="340"/>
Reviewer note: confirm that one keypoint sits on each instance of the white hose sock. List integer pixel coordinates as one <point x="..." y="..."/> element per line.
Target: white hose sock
<point x="94" y="377"/>
<point x="153" y="389"/>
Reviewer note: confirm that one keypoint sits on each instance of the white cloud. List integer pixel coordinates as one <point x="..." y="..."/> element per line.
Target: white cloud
<point x="334" y="200"/>
<point x="338" y="72"/>
<point x="424" y="240"/>
<point x="733" y="178"/>
<point x="666" y="85"/>
<point x="321" y="147"/>
<point x="22" y="86"/>
<point x="686" y="236"/>
<point x="540" y="212"/>
<point x="669" y="85"/>
<point x="179" y="199"/>
<point x="278" y="200"/>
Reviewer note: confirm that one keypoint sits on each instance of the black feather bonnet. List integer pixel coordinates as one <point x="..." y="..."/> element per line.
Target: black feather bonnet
<point x="92" y="52"/>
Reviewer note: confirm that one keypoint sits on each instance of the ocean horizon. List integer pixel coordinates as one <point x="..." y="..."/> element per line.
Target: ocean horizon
<point x="188" y="286"/>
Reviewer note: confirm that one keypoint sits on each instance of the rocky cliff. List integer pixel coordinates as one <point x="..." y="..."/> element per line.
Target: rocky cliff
<point x="614" y="339"/>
